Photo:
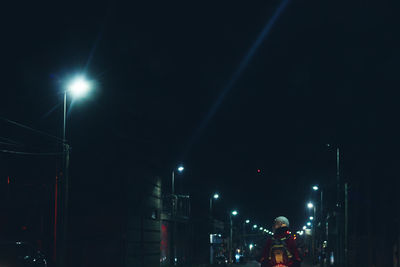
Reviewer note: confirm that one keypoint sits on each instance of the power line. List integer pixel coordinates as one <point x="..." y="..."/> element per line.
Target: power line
<point x="9" y="144"/>
<point x="30" y="153"/>
<point x="11" y="141"/>
<point x="31" y="129"/>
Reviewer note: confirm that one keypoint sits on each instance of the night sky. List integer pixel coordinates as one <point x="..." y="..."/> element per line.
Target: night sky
<point x="327" y="72"/>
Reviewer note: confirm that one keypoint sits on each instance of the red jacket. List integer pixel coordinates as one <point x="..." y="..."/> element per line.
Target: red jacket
<point x="290" y="240"/>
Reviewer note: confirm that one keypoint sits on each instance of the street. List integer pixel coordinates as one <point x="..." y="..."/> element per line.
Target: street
<point x="256" y="264"/>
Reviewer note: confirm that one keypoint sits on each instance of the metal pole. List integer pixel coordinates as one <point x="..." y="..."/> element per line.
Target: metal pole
<point x="173" y="183"/>
<point x="338" y="259"/>
<point x="313" y="235"/>
<point x="322" y="227"/>
<point x="230" y="240"/>
<point x="211" y="232"/>
<point x="346" y="222"/>
<point x="62" y="244"/>
<point x="211" y="203"/>
<point x="173" y="222"/>
<point x="65" y="115"/>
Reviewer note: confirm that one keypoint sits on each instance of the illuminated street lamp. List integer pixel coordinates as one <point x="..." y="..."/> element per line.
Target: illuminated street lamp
<point x="310" y="205"/>
<point x="180" y="169"/>
<point x="247" y="221"/>
<point x="214" y="197"/>
<point x="315" y="187"/>
<point x="308" y="223"/>
<point x="255" y="226"/>
<point x="311" y="218"/>
<point x="232" y="213"/>
<point x="78" y="88"/>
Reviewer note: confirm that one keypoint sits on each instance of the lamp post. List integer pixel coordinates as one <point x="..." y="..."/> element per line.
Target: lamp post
<point x="78" y="88"/>
<point x="180" y="169"/>
<point x="232" y="213"/>
<point x="310" y="205"/>
<point x="215" y="196"/>
<point x="319" y="217"/>
<point x="340" y="255"/>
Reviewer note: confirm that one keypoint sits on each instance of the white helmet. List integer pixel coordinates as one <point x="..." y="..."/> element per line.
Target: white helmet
<point x="282" y="220"/>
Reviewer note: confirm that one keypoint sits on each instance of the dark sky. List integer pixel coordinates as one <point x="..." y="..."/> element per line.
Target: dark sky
<point x="327" y="72"/>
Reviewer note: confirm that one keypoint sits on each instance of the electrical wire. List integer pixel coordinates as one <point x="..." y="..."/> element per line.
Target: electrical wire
<point x="30" y="153"/>
<point x="31" y="129"/>
<point x="11" y="141"/>
<point x="8" y="144"/>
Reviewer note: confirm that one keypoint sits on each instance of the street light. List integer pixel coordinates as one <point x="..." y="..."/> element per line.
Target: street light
<point x="180" y="169"/>
<point x="315" y="187"/>
<point x="304" y="227"/>
<point x="308" y="223"/>
<point x="214" y="196"/>
<point x="311" y="218"/>
<point x="255" y="226"/>
<point x="247" y="221"/>
<point x="77" y="87"/>
<point x="232" y="213"/>
<point x="310" y="205"/>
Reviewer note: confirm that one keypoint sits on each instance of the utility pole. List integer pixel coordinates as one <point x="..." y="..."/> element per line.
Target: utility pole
<point x="346" y="225"/>
<point x="62" y="248"/>
<point x="230" y="239"/>
<point x="338" y="259"/>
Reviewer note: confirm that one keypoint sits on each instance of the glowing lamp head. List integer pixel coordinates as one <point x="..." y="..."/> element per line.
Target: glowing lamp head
<point x="247" y="221"/>
<point x="308" y="223"/>
<point x="255" y="226"/>
<point x="181" y="169"/>
<point x="216" y="196"/>
<point x="315" y="187"/>
<point x="311" y="218"/>
<point x="310" y="205"/>
<point x="79" y="87"/>
<point x="234" y="213"/>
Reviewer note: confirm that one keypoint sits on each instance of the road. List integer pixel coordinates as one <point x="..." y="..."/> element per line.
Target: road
<point x="256" y="264"/>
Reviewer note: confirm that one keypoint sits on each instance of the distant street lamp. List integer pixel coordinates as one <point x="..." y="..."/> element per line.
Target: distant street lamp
<point x="232" y="213"/>
<point x="310" y="205"/>
<point x="247" y="221"/>
<point x="255" y="226"/>
<point x="215" y="196"/>
<point x="311" y="218"/>
<point x="180" y="169"/>
<point x="308" y="223"/>
<point x="315" y="187"/>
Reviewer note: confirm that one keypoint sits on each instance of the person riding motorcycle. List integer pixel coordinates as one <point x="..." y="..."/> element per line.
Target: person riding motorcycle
<point x="281" y="249"/>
